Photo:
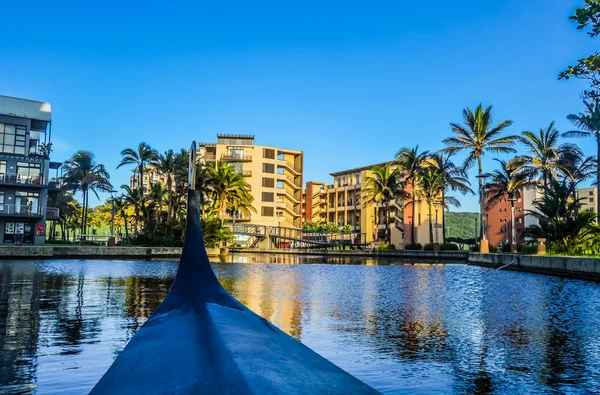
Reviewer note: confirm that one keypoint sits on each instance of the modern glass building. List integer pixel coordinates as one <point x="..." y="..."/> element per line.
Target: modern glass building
<point x="25" y="168"/>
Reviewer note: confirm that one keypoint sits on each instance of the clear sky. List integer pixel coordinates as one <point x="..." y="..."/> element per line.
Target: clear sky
<point x="347" y="82"/>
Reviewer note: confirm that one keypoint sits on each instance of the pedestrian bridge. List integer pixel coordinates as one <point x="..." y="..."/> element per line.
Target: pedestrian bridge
<point x="261" y="236"/>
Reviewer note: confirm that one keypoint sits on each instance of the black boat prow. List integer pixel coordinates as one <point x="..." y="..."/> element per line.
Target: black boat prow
<point x="202" y="340"/>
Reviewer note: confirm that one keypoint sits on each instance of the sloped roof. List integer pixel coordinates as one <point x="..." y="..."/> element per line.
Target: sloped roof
<point x="24" y="108"/>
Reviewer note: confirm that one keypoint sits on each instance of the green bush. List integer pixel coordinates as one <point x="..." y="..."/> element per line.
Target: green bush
<point x="527" y="248"/>
<point x="386" y="247"/>
<point x="428" y="247"/>
<point x="448" y="247"/>
<point x="415" y="246"/>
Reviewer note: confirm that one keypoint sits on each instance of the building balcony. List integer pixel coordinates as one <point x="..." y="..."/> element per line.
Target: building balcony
<point x="17" y="179"/>
<point x="55" y="184"/>
<point x="290" y="166"/>
<point x="14" y="210"/>
<point x="288" y="195"/>
<point x="236" y="158"/>
<point x="52" y="213"/>
<point x="289" y="180"/>
<point x="209" y="157"/>
<point x="288" y="207"/>
<point x="246" y="173"/>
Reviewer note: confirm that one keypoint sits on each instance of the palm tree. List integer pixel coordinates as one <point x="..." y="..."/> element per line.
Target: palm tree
<point x="545" y="156"/>
<point x="383" y="186"/>
<point x="577" y="168"/>
<point x="120" y="209"/>
<point x="410" y="162"/>
<point x="477" y="136"/>
<point x="83" y="174"/>
<point x="158" y="194"/>
<point x="135" y="198"/>
<point x="455" y="179"/>
<point x="228" y="188"/>
<point x="589" y="123"/>
<point x="432" y="184"/>
<point x="204" y="180"/>
<point x="142" y="157"/>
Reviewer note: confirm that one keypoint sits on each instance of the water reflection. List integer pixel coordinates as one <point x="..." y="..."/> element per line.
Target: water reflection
<point x="400" y="327"/>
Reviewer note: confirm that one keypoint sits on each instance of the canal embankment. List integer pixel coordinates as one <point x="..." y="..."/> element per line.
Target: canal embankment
<point x="566" y="266"/>
<point x="415" y="254"/>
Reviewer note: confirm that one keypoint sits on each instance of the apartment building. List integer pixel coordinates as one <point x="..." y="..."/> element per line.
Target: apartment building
<point x="342" y="203"/>
<point x="25" y="134"/>
<point x="274" y="175"/>
<point x="588" y="198"/>
<point x="499" y="218"/>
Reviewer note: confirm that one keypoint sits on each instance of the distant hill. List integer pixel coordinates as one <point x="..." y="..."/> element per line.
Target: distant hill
<point x="461" y="225"/>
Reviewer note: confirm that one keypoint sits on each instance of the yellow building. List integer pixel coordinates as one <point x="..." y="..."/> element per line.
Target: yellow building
<point x="274" y="175"/>
<point x="342" y="203"/>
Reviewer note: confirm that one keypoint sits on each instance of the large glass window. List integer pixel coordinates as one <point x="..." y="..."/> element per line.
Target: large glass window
<point x="29" y="173"/>
<point x="27" y="202"/>
<point x="12" y="138"/>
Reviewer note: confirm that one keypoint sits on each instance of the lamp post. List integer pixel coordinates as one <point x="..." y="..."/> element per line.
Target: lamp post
<point x="484" y="246"/>
<point x="513" y="238"/>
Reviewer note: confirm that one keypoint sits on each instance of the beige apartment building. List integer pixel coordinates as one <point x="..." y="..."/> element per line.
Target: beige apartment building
<point x="151" y="176"/>
<point x="274" y="175"/>
<point x="588" y="198"/>
<point x="341" y="203"/>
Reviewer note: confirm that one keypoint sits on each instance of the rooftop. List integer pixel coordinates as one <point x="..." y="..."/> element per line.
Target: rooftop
<point x="235" y="136"/>
<point x="357" y="170"/>
<point x="24" y="108"/>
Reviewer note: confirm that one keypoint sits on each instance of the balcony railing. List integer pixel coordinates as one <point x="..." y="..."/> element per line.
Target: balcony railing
<point x="19" y="179"/>
<point x="291" y="166"/>
<point x="237" y="158"/>
<point x="55" y="183"/>
<point x="246" y="173"/>
<point x="210" y="157"/>
<point x="52" y="213"/>
<point x="16" y="209"/>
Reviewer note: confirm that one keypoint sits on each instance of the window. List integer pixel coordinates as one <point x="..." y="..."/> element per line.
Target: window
<point x="280" y="170"/>
<point x="268" y="182"/>
<point x="2" y="167"/>
<point x="235" y="140"/>
<point x="519" y="220"/>
<point x="267" y="211"/>
<point x="357" y="178"/>
<point x="591" y="193"/>
<point x="268" y="153"/>
<point x="268" y="168"/>
<point x="500" y="220"/>
<point x="29" y="172"/>
<point x="27" y="202"/>
<point x="268" y="197"/>
<point x="504" y="209"/>
<point x="591" y="200"/>
<point x="499" y="210"/>
<point x="12" y="138"/>
<point x="279" y="184"/>
<point x="280" y="156"/>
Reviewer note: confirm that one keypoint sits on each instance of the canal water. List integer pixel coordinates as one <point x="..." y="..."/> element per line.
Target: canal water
<point x="402" y="328"/>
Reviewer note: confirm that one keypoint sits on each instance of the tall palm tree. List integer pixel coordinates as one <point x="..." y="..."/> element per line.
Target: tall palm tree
<point x="382" y="187"/>
<point x="477" y="136"/>
<point x="83" y="174"/>
<point x="121" y="209"/>
<point x="455" y="179"/>
<point x="432" y="184"/>
<point x="577" y="168"/>
<point x="589" y="123"/>
<point x="158" y="194"/>
<point x="204" y="181"/>
<point x="545" y="156"/>
<point x="141" y="157"/>
<point x="228" y="188"/>
<point x="135" y="198"/>
<point x="410" y="161"/>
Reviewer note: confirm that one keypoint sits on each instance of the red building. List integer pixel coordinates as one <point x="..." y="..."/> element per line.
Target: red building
<point x="498" y="221"/>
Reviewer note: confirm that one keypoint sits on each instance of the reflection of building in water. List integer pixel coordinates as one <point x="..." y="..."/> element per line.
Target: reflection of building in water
<point x="276" y="297"/>
<point x="19" y="328"/>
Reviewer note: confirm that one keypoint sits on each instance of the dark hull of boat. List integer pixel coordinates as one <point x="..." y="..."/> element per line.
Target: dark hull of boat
<point x="202" y="340"/>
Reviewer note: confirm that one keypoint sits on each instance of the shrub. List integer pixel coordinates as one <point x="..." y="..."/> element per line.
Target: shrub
<point x="428" y="247"/>
<point x="448" y="247"/>
<point x="386" y="247"/>
<point x="415" y="246"/>
<point x="527" y="248"/>
<point x="475" y="248"/>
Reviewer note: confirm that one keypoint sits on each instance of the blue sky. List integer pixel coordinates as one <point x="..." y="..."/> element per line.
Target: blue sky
<point x="347" y="82"/>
